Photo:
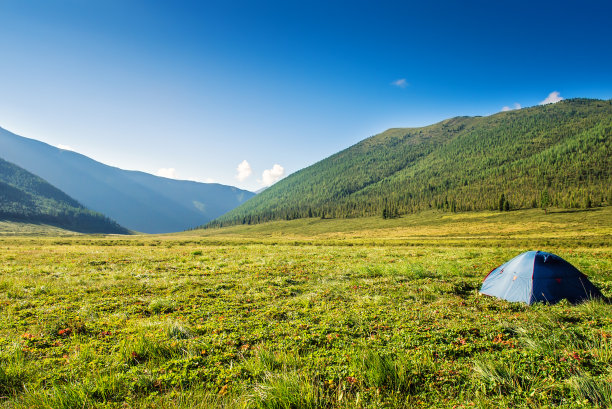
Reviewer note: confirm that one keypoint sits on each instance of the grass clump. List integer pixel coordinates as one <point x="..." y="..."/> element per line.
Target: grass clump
<point x="598" y="392"/>
<point x="394" y="374"/>
<point x="161" y="306"/>
<point x="285" y="390"/>
<point x="13" y="372"/>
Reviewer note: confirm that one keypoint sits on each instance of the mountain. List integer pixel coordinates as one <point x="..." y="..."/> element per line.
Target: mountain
<point x="137" y="200"/>
<point x="557" y="154"/>
<point x="25" y="197"/>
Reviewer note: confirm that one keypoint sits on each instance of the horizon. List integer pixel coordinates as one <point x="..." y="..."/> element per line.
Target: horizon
<point x="244" y="95"/>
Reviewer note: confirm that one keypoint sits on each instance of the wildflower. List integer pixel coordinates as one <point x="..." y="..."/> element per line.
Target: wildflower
<point x="28" y="336"/>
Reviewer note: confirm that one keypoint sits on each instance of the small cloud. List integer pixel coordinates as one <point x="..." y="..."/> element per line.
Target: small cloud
<point x="271" y="176"/>
<point x="515" y="106"/>
<point x="209" y="180"/>
<point x="401" y="83"/>
<point x="244" y="170"/>
<point x="552" y="98"/>
<point x="169" y="173"/>
<point x="65" y="147"/>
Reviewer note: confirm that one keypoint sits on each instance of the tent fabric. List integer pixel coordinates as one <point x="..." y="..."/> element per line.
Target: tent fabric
<point x="537" y="276"/>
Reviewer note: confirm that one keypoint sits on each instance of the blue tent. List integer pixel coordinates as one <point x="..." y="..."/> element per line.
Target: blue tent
<point x="538" y="276"/>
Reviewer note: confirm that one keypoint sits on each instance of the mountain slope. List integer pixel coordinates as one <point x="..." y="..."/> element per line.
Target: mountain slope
<point x="26" y="197"/>
<point x="137" y="200"/>
<point x="558" y="154"/>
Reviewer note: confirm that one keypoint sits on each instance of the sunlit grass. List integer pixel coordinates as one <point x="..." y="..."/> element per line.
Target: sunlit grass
<point x="336" y="320"/>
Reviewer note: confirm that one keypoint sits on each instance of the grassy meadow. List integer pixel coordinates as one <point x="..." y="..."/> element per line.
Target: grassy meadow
<point x="340" y="313"/>
<point x="13" y="228"/>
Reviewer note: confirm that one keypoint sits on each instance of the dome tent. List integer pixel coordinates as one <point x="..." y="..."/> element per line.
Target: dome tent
<point x="538" y="276"/>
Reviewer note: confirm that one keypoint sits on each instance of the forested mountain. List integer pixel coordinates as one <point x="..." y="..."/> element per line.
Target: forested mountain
<point x="28" y="198"/>
<point x="551" y="155"/>
<point x="137" y="200"/>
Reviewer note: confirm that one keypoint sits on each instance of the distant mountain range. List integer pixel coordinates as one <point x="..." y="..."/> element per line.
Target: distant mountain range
<point x="551" y="155"/>
<point x="26" y="197"/>
<point x="136" y="200"/>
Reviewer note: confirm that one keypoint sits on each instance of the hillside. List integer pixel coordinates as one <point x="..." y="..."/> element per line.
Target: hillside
<point x="25" y="197"/>
<point x="553" y="155"/>
<point x="137" y="200"/>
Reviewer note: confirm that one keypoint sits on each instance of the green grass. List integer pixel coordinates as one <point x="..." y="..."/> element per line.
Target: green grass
<point x="366" y="313"/>
<point x="14" y="228"/>
<point x="472" y="225"/>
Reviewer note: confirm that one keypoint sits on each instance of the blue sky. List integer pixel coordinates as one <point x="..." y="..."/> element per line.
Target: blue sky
<point x="195" y="89"/>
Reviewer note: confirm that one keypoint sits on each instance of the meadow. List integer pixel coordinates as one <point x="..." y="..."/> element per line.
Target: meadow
<point x="341" y="313"/>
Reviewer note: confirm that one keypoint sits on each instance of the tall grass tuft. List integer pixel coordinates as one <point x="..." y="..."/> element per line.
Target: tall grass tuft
<point x="402" y="374"/>
<point x="178" y="331"/>
<point x="500" y="376"/>
<point x="12" y="371"/>
<point x="161" y="306"/>
<point x="68" y="396"/>
<point x="145" y="348"/>
<point x="596" y="391"/>
<point x="192" y="398"/>
<point x="266" y="361"/>
<point x="286" y="390"/>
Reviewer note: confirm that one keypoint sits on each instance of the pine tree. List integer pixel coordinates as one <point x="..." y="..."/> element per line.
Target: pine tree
<point x="544" y="200"/>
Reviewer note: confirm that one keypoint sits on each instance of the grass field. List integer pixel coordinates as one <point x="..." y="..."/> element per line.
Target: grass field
<point x="312" y="313"/>
<point x="12" y="228"/>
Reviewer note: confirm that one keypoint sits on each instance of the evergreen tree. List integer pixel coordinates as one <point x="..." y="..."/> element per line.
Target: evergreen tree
<point x="544" y="200"/>
<point x="502" y="201"/>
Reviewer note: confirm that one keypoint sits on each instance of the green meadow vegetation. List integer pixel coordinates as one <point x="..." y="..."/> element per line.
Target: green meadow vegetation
<point x="310" y="313"/>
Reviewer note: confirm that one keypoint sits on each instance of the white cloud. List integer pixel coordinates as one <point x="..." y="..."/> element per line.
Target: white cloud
<point x="167" y="173"/>
<point x="244" y="170"/>
<point x="65" y="147"/>
<point x="515" y="106"/>
<point x="401" y="83"/>
<point x="552" y="98"/>
<point x="210" y="180"/>
<point x="271" y="176"/>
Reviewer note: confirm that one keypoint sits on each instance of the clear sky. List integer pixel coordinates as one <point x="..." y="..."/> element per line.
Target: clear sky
<point x="244" y="92"/>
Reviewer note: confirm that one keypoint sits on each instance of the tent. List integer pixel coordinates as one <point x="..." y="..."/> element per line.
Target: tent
<point x="538" y="276"/>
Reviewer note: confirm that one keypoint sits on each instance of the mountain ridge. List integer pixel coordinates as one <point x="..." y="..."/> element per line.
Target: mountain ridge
<point x="137" y="200"/>
<point x="26" y="197"/>
<point x="461" y="163"/>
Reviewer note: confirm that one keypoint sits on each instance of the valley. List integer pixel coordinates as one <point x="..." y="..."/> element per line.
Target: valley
<point x="305" y="205"/>
<point x="312" y="313"/>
